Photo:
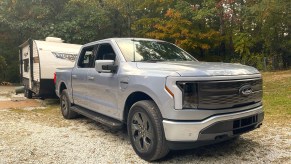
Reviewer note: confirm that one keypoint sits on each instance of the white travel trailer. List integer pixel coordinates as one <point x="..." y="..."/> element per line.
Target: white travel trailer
<point x="38" y="62"/>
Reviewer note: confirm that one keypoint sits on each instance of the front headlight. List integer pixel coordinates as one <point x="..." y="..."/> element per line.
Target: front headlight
<point x="190" y="94"/>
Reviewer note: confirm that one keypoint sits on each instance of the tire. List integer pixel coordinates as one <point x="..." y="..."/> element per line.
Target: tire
<point x="145" y="130"/>
<point x="66" y="105"/>
<point x="27" y="93"/>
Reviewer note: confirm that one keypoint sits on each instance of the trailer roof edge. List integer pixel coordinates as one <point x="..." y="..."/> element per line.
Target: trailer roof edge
<point x="25" y="43"/>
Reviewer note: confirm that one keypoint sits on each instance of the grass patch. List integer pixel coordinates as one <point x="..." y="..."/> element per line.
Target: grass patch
<point x="19" y="110"/>
<point x="49" y="115"/>
<point x="277" y="93"/>
<point x="48" y="110"/>
<point x="51" y="110"/>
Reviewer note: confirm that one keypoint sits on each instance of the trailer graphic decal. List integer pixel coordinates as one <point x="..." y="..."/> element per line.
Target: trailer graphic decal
<point x="70" y="57"/>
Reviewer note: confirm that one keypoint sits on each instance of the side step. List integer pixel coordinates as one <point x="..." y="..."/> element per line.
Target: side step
<point x="110" y="122"/>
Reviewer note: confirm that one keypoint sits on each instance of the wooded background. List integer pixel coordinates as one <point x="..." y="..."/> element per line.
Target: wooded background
<point x="252" y="32"/>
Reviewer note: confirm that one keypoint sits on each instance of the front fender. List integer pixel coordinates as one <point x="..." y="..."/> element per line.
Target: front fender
<point x="154" y="87"/>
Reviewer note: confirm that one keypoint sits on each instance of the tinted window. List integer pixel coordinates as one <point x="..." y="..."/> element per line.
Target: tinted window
<point x="26" y="65"/>
<point x="86" y="58"/>
<point x="146" y="50"/>
<point x="105" y="52"/>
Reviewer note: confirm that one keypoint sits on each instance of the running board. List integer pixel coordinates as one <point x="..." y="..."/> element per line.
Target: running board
<point x="107" y="121"/>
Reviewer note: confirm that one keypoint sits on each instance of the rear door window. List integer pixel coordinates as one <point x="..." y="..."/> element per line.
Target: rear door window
<point x="86" y="58"/>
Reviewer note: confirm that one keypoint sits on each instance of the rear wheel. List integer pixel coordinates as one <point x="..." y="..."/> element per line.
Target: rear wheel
<point x="65" y="106"/>
<point x="144" y="126"/>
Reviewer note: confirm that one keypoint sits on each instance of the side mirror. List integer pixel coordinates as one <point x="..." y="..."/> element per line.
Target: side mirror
<point x="105" y="66"/>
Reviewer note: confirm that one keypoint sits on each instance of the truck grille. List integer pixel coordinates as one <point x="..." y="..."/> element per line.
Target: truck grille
<point x="229" y="94"/>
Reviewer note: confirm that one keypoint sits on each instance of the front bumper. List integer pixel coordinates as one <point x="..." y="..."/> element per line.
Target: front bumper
<point x="214" y="127"/>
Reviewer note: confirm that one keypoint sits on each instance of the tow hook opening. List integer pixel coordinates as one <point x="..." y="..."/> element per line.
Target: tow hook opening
<point x="259" y="125"/>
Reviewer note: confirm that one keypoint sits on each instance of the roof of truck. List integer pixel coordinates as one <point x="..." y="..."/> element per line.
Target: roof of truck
<point x="115" y="39"/>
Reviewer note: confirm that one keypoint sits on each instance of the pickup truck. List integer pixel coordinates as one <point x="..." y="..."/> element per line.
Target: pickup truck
<point x="165" y="98"/>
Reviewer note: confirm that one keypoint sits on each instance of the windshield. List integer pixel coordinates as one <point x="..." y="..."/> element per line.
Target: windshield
<point x="151" y="51"/>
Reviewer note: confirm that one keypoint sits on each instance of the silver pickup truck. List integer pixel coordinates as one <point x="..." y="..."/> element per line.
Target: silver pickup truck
<point x="165" y="97"/>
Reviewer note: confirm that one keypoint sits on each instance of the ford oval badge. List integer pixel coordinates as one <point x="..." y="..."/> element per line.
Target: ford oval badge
<point x="245" y="90"/>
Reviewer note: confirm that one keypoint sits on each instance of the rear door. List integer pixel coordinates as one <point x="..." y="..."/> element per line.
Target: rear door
<point x="80" y="76"/>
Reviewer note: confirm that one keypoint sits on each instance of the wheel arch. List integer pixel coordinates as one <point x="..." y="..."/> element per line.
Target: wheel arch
<point x="62" y="87"/>
<point x="133" y="98"/>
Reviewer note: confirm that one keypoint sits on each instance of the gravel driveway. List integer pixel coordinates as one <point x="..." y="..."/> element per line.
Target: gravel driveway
<point x="41" y="135"/>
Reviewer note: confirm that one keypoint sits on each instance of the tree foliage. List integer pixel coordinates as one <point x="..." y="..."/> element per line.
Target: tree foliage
<point x="212" y="30"/>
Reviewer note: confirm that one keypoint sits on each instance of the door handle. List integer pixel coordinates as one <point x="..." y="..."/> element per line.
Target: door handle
<point x="74" y="76"/>
<point x="90" y="78"/>
<point x="124" y="82"/>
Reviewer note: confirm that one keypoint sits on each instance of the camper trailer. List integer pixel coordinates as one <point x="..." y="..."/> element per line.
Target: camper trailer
<point x="38" y="62"/>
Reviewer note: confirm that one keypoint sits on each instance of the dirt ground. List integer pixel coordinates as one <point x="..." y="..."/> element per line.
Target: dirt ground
<point x="9" y="100"/>
<point x="18" y="104"/>
<point x="33" y="131"/>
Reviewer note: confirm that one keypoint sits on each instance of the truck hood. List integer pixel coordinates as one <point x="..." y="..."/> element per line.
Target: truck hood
<point x="190" y="68"/>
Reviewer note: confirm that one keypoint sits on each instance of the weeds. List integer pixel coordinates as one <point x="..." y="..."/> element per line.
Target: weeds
<point x="277" y="94"/>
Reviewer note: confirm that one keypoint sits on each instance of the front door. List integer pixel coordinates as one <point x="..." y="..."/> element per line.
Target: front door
<point x="103" y="87"/>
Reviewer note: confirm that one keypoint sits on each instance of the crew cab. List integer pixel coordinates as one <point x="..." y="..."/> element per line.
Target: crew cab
<point x="164" y="96"/>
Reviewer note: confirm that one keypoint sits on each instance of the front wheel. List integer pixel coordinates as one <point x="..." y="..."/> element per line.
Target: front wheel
<point x="144" y="126"/>
<point x="65" y="106"/>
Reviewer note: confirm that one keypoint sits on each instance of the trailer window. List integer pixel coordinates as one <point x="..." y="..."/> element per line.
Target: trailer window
<point x="86" y="57"/>
<point x="26" y="65"/>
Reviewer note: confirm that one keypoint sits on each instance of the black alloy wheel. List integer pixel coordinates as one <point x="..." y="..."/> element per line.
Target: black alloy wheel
<point x="145" y="130"/>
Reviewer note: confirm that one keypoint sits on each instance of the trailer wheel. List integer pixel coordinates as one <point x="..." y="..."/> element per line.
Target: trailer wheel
<point x="66" y="105"/>
<point x="27" y="93"/>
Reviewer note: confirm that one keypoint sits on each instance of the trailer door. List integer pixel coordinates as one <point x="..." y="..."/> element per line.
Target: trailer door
<point x="26" y="66"/>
